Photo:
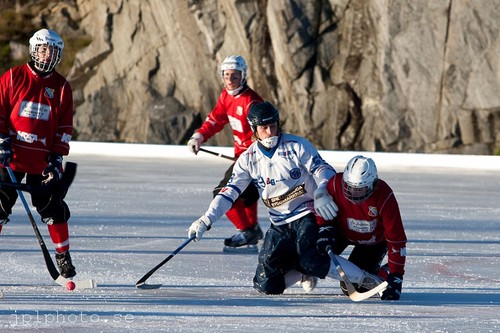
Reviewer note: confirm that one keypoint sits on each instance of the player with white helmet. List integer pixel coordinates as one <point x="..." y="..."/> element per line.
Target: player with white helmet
<point x="232" y="108"/>
<point x="46" y="50"/>
<point x="36" y="125"/>
<point x="237" y="63"/>
<point x="359" y="178"/>
<point x="368" y="219"/>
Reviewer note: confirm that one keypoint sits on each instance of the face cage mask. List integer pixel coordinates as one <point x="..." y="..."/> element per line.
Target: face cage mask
<point x="270" y="143"/>
<point x="46" y="64"/>
<point x="356" y="194"/>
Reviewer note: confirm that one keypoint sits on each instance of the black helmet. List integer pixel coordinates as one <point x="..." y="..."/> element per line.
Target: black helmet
<point x="262" y="113"/>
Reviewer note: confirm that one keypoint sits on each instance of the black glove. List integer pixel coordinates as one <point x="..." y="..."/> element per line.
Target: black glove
<point x="393" y="291"/>
<point x="326" y="237"/>
<point x="5" y="149"/>
<point x="53" y="171"/>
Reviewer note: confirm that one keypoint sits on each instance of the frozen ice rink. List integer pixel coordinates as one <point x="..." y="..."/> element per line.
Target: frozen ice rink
<point x="129" y="213"/>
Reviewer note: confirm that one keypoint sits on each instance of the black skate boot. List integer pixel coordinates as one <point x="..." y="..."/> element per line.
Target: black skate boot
<point x="244" y="241"/>
<point x="65" y="264"/>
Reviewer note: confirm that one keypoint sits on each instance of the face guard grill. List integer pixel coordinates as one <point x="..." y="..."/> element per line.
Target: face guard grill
<point x="45" y="57"/>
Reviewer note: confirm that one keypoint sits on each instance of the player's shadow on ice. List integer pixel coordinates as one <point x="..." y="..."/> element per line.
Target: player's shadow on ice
<point x="449" y="298"/>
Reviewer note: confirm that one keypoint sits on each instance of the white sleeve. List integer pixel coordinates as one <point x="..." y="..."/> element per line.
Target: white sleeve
<point x="323" y="174"/>
<point x="316" y="165"/>
<point x="218" y="207"/>
<point x="230" y="192"/>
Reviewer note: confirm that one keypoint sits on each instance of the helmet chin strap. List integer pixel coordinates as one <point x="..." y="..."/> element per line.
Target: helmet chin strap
<point x="236" y="91"/>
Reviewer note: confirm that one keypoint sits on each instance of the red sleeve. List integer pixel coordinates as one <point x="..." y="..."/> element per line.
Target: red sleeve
<point x="232" y="110"/>
<point x="64" y="129"/>
<point x="216" y="119"/>
<point x="393" y="230"/>
<point x="4" y="102"/>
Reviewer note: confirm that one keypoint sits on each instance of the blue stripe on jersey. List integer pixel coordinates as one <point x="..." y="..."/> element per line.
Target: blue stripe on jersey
<point x="226" y="197"/>
<point x="234" y="188"/>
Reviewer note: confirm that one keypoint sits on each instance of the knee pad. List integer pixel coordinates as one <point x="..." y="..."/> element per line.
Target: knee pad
<point x="56" y="211"/>
<point x="7" y="201"/>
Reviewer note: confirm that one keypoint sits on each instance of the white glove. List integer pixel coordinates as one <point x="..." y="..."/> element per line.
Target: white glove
<point x="324" y="205"/>
<point x="195" y="142"/>
<point x="199" y="227"/>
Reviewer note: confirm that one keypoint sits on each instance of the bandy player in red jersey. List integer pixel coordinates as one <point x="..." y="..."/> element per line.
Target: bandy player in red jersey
<point x="232" y="107"/>
<point x="36" y="124"/>
<point x="368" y="217"/>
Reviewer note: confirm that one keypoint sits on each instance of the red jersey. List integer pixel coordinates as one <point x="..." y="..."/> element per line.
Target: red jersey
<point x="374" y="220"/>
<point x="232" y="110"/>
<point x="37" y="112"/>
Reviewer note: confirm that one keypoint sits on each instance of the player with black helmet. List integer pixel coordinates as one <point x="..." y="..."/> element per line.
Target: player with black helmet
<point x="289" y="172"/>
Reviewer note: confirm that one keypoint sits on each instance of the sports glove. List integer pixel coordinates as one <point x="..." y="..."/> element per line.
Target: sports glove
<point x="53" y="171"/>
<point x="195" y="142"/>
<point x="199" y="227"/>
<point x="326" y="238"/>
<point x="393" y="291"/>
<point x="324" y="205"/>
<point x="5" y="149"/>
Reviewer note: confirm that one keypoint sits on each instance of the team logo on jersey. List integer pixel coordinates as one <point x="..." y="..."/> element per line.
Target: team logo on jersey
<point x="401" y="251"/>
<point x="34" y="110"/>
<point x="372" y="211"/>
<point x="66" y="138"/>
<point x="361" y="226"/>
<point x="284" y="198"/>
<point x="239" y="110"/>
<point x="295" y="173"/>
<point x="49" y="92"/>
<point x="235" y="124"/>
<point x="270" y="181"/>
<point x="30" y="137"/>
<point x="286" y="153"/>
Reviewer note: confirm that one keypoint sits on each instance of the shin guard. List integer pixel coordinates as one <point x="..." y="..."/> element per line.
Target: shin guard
<point x="59" y="233"/>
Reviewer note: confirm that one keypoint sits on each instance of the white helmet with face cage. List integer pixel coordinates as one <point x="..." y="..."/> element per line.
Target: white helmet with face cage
<point x="46" y="50"/>
<point x="359" y="178"/>
<point x="235" y="62"/>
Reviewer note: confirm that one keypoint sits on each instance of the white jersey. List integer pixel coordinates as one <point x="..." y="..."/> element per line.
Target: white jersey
<point x="286" y="177"/>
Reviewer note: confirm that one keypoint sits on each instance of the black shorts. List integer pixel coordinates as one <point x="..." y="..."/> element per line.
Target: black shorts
<point x="287" y="247"/>
<point x="51" y="206"/>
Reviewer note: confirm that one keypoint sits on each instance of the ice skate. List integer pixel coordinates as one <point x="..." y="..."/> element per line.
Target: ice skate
<point x="244" y="241"/>
<point x="308" y="283"/>
<point x="65" y="264"/>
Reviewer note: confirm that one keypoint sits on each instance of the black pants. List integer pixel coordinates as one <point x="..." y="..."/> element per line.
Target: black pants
<point x="50" y="205"/>
<point x="287" y="247"/>
<point x="366" y="257"/>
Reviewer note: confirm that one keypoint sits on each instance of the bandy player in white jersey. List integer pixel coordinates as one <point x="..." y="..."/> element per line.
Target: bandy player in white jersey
<point x="291" y="177"/>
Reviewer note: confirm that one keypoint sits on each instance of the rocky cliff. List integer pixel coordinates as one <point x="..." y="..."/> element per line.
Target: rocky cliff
<point x="376" y="75"/>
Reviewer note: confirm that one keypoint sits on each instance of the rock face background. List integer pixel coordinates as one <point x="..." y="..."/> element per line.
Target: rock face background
<point x="374" y="75"/>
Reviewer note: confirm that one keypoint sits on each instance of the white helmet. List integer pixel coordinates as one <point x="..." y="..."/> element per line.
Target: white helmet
<point x="235" y="62"/>
<point x="55" y="44"/>
<point x="359" y="178"/>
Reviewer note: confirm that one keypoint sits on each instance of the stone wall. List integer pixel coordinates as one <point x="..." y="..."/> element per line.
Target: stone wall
<point x="374" y="75"/>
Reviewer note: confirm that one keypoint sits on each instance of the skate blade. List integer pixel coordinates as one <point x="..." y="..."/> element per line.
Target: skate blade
<point x="242" y="249"/>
